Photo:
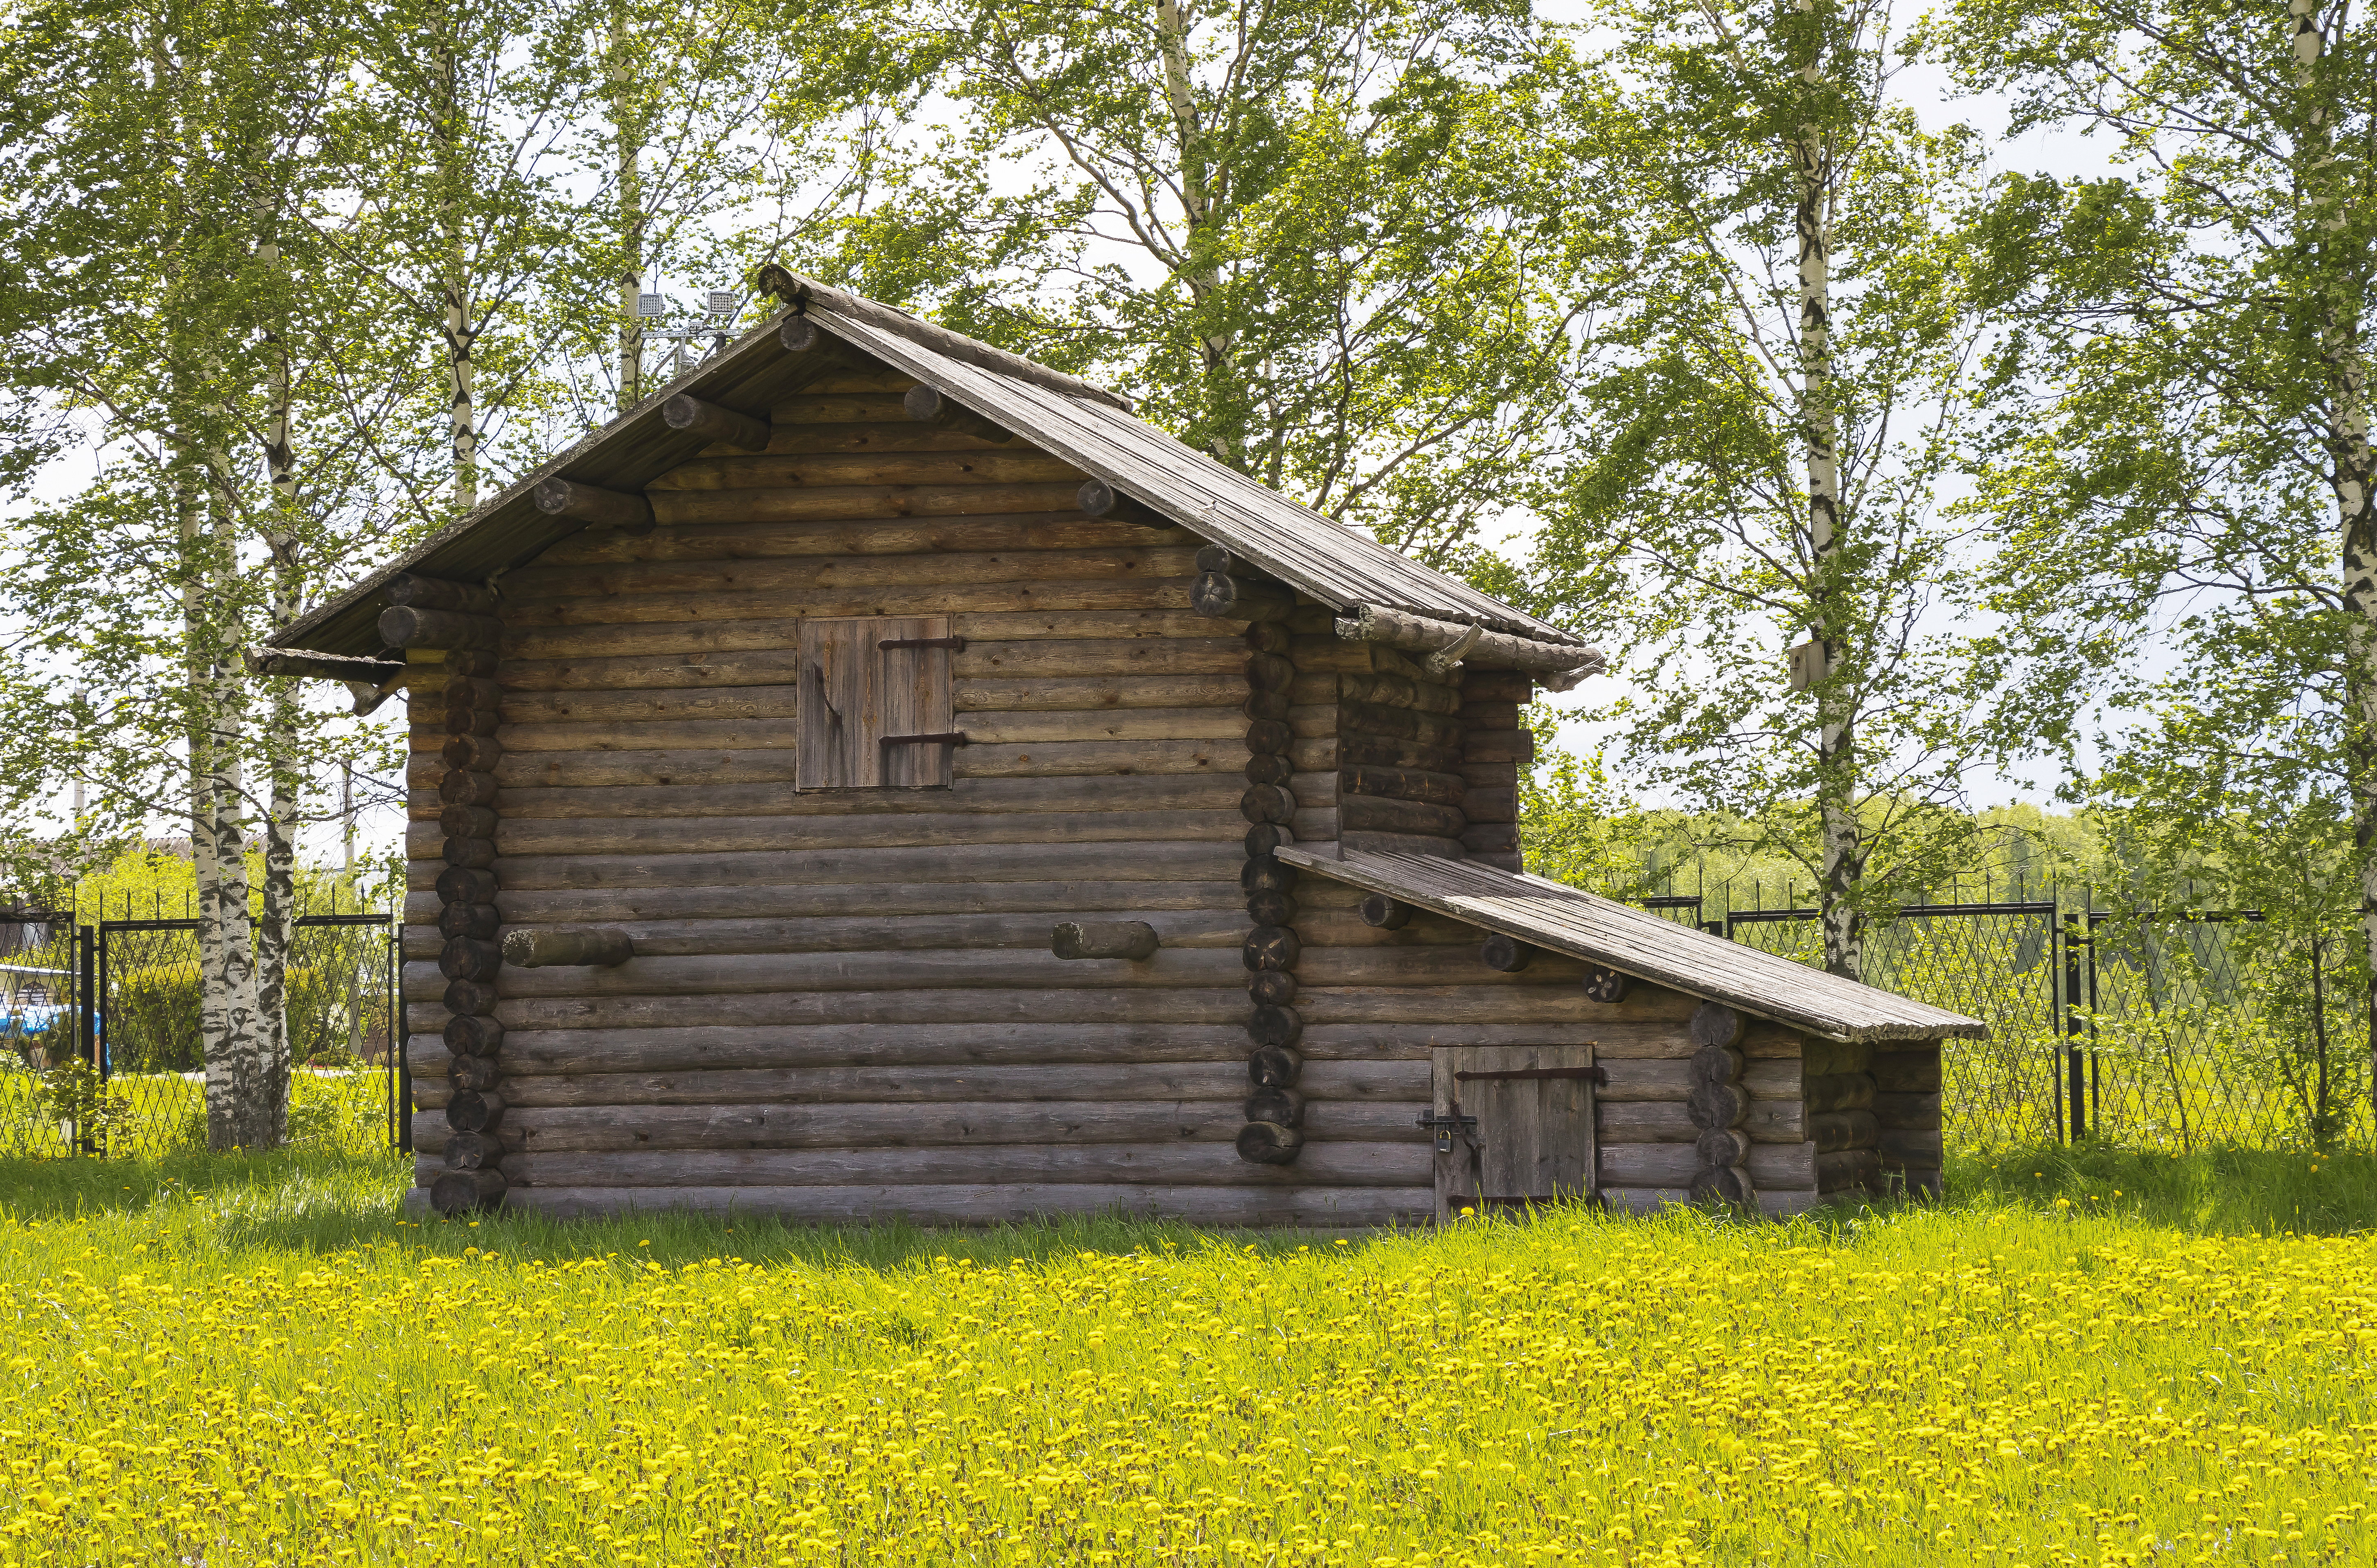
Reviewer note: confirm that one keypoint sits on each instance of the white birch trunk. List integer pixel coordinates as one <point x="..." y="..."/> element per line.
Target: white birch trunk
<point x="2339" y="310"/>
<point x="446" y="132"/>
<point x="275" y="932"/>
<point x="239" y="1113"/>
<point x="628" y="121"/>
<point x="1836" y="771"/>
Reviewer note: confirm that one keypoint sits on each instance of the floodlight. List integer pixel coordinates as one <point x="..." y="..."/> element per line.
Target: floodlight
<point x="651" y="305"/>
<point x="723" y="303"/>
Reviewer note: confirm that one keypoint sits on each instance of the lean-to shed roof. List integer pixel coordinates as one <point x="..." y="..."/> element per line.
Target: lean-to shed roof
<point x="1640" y="943"/>
<point x="1088" y="426"/>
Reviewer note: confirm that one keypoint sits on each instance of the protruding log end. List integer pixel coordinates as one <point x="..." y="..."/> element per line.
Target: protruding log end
<point x="1268" y="769"/>
<point x="474" y="1111"/>
<point x="712" y="423"/>
<point x="1506" y="954"/>
<point x="1267" y="802"/>
<point x="1717" y="1064"/>
<point x="1714" y="1023"/>
<point x="473" y="1151"/>
<point x="1265" y="837"/>
<point x="471" y="753"/>
<point x="1265" y="874"/>
<point x="1725" y="1183"/>
<point x="1716" y="1106"/>
<point x="1224" y="597"/>
<point x="1270" y="947"/>
<point x="479" y="921"/>
<point x="1099" y="499"/>
<point x="470" y="1035"/>
<point x="802" y="335"/>
<point x="462" y="1192"/>
<point x="462" y="885"/>
<point x="601" y="508"/>
<point x="1605" y="985"/>
<point x="474" y="998"/>
<point x="478" y="853"/>
<point x="473" y="1072"/>
<point x="1115" y="939"/>
<point x="464" y="959"/>
<point x="568" y="947"/>
<point x="1723" y="1146"/>
<point x="1273" y="1066"/>
<point x="1270" y="908"/>
<point x="1282" y="1108"/>
<point x="467" y="822"/>
<point x="930" y="405"/>
<point x="1385" y="913"/>
<point x="1272" y="987"/>
<point x="460" y="787"/>
<point x="1275" y="1026"/>
<point x="1268" y="1143"/>
<point x="406" y="625"/>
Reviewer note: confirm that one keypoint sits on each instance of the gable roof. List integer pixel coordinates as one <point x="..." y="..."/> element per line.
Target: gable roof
<point x="1088" y="426"/>
<point x="1644" y="945"/>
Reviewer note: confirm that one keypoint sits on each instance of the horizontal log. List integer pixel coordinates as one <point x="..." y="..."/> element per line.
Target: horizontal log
<point x="1371" y="840"/>
<point x="1489" y="715"/>
<point x="985" y="728"/>
<point x="531" y="588"/>
<point x="525" y="801"/>
<point x="866" y="915"/>
<point x="1008" y="532"/>
<point x="1908" y="1072"/>
<point x="797" y="503"/>
<point x="1914" y="1147"/>
<point x="1173" y="657"/>
<point x="1499" y="745"/>
<point x="1512" y="862"/>
<point x="1314" y="825"/>
<point x="1669" y="1121"/>
<point x="1396" y="691"/>
<point x="1827" y="1058"/>
<point x="464" y="1192"/>
<point x="1405" y="784"/>
<point x="1381" y="750"/>
<point x="845" y="470"/>
<point x="408" y="627"/>
<point x="676" y="767"/>
<point x="1846" y="1169"/>
<point x="1490" y="805"/>
<point x="712" y="423"/>
<point x="1782" y="1167"/>
<point x="1844" y="1092"/>
<point x="739" y="633"/>
<point x="1219" y="1082"/>
<point x="538" y="1053"/>
<point x="1367" y="719"/>
<point x="1402" y="1163"/>
<point x="731" y="973"/>
<point x="814" y="408"/>
<point x="539" y="836"/>
<point x="1215" y="927"/>
<point x="949" y="863"/>
<point x="1375" y="813"/>
<point x="1843" y="1129"/>
<point x="857" y="1127"/>
<point x="1490" y="837"/>
<point x="1911" y="1113"/>
<point x="1487" y="775"/>
<point x="439" y="593"/>
<point x="1312" y="791"/>
<point x="971" y="1204"/>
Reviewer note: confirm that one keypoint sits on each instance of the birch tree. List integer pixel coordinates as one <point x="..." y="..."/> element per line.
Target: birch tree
<point x="2183" y="466"/>
<point x="1790" y="374"/>
<point x="1317" y="240"/>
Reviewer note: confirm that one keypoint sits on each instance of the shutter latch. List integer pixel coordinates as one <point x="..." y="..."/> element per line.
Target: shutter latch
<point x="949" y="737"/>
<point x="1444" y="1127"/>
<point x="955" y="645"/>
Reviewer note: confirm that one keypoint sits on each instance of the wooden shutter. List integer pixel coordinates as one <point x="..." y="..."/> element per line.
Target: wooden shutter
<point x="1535" y="1135"/>
<point x="853" y="692"/>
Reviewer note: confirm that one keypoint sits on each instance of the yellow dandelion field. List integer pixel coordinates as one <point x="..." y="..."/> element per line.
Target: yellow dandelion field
<point x="1939" y="1388"/>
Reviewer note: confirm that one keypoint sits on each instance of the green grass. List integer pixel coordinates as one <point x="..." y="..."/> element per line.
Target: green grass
<point x="260" y="1358"/>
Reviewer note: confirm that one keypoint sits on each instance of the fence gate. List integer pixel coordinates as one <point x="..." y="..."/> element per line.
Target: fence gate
<point x="107" y="1049"/>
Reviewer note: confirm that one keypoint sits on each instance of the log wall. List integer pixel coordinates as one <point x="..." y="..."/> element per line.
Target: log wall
<point x="845" y="1003"/>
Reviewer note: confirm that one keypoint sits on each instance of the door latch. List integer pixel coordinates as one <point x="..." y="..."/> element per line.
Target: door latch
<point x="1445" y="1127"/>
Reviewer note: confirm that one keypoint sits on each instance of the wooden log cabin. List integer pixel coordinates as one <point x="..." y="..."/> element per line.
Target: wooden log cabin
<point x="879" y="776"/>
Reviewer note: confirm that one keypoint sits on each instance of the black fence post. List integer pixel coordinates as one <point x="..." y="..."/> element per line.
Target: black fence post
<point x="89" y="1020"/>
<point x="2073" y="1086"/>
<point x="396" y="1038"/>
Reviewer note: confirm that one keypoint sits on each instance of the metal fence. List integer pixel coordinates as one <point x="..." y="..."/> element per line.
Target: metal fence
<point x="2150" y="1028"/>
<point x="103" y="1041"/>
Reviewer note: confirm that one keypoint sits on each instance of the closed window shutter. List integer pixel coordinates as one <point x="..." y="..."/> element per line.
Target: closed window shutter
<point x="853" y="692"/>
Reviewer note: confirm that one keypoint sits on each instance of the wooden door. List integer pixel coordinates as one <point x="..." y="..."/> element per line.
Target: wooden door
<point x="856" y="694"/>
<point x="1531" y="1142"/>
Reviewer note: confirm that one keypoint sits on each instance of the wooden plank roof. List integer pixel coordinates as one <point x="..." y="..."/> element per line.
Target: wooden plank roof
<point x="1087" y="426"/>
<point x="1639" y="943"/>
